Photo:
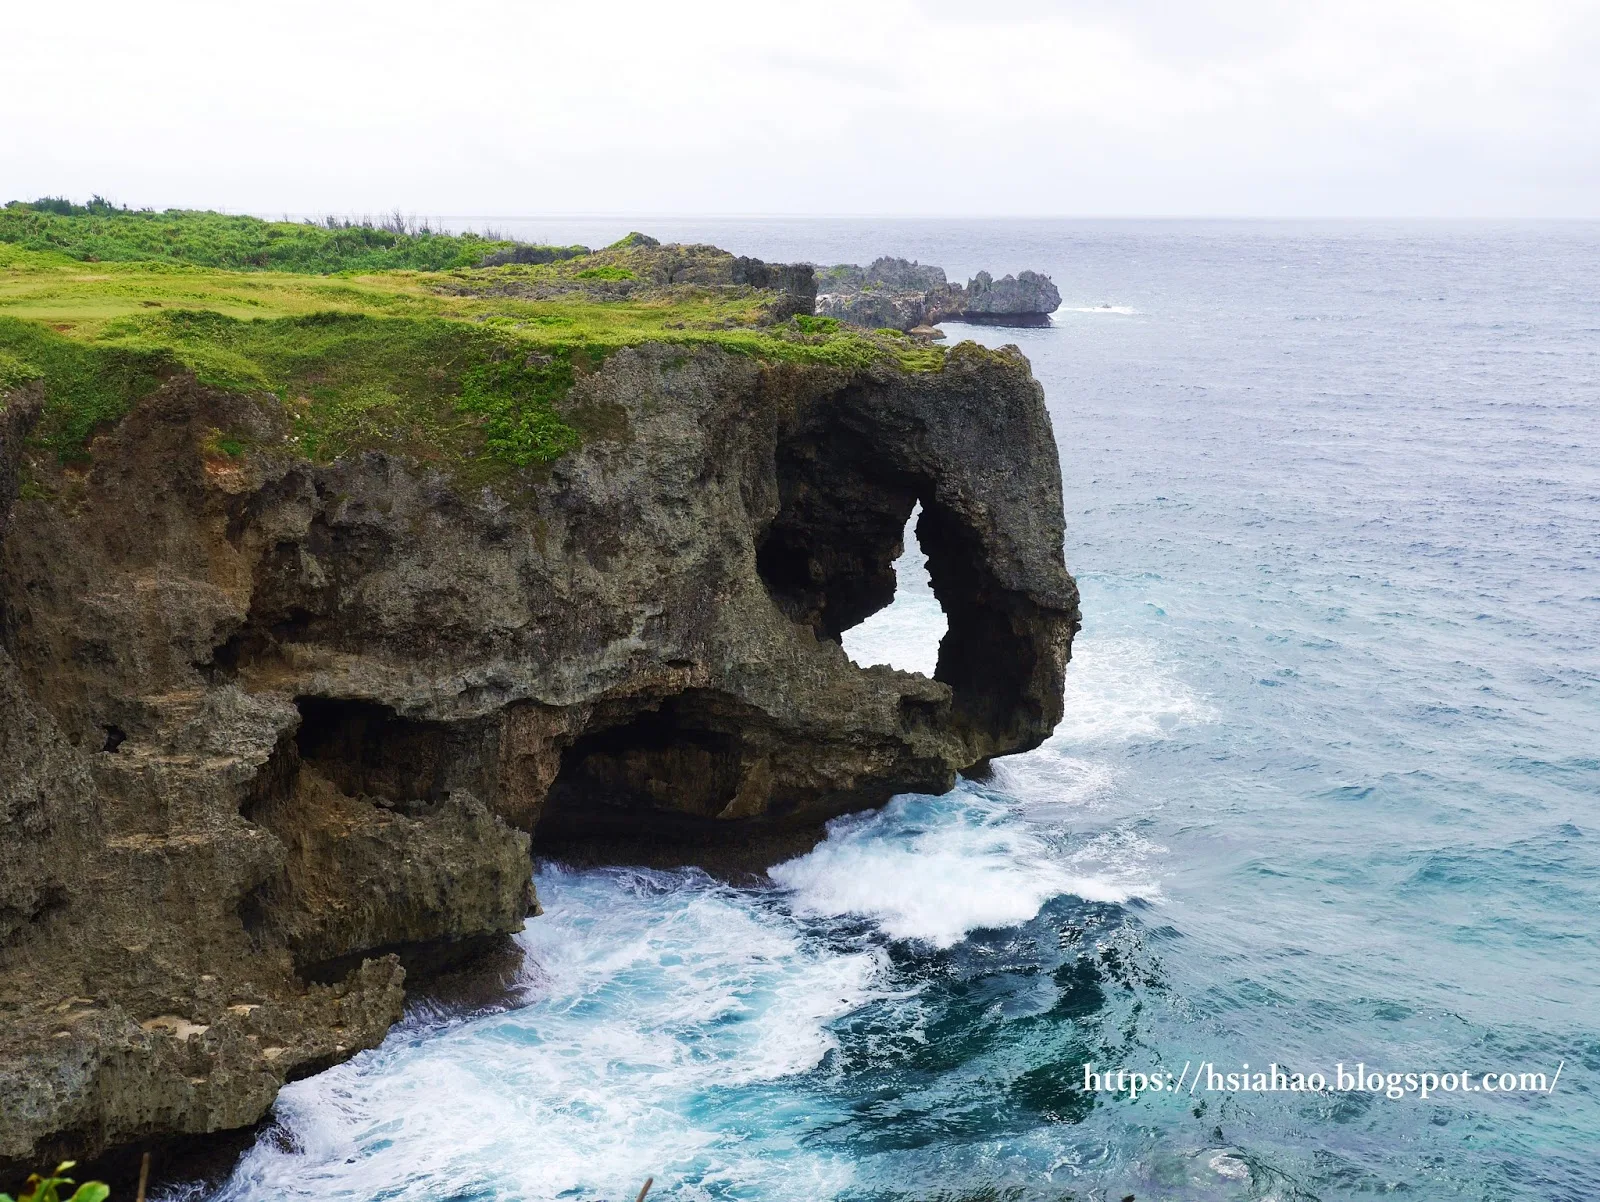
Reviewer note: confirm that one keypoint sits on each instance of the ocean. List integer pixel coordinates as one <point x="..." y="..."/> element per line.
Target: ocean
<point x="1325" y="793"/>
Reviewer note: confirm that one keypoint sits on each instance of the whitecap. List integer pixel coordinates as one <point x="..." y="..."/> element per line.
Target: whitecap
<point x="936" y="869"/>
<point x="1120" y="689"/>
<point x="666" y="1004"/>
<point x="1054" y="784"/>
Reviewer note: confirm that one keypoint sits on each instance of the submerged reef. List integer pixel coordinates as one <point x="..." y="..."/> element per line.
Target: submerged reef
<point x="326" y="601"/>
<point x="899" y="294"/>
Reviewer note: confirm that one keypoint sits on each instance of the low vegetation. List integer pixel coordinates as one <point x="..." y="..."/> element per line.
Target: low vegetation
<point x="432" y="357"/>
<point x="100" y="233"/>
<point x="604" y="273"/>
<point x="48" y="1189"/>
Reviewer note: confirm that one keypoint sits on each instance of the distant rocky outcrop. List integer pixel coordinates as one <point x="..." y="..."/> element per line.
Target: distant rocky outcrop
<point x="1026" y="299"/>
<point x="888" y="294"/>
<point x="902" y="294"/>
<point x="638" y="267"/>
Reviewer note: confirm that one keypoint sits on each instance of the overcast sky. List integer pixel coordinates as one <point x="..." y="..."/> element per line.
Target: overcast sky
<point x="887" y="107"/>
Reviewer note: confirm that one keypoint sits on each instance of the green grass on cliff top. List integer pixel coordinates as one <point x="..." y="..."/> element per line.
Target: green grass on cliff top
<point x="450" y="363"/>
<point x="100" y="232"/>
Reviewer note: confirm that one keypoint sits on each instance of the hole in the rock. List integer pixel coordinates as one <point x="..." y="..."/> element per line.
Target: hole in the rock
<point x="906" y="633"/>
<point x="679" y="764"/>
<point x="828" y="557"/>
<point x="253" y="908"/>
<point x="115" y="738"/>
<point x="836" y="550"/>
<point x="367" y="749"/>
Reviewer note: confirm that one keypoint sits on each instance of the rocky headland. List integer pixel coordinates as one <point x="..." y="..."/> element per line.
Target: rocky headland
<point x="899" y="294"/>
<point x="300" y="665"/>
<point x="639" y="268"/>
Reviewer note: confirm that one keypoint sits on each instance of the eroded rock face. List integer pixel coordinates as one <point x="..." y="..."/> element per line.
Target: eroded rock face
<point x="875" y="310"/>
<point x="889" y="294"/>
<point x="1025" y="299"/>
<point x="271" y="731"/>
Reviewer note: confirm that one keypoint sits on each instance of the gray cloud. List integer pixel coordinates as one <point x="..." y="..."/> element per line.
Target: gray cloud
<point x="1238" y="107"/>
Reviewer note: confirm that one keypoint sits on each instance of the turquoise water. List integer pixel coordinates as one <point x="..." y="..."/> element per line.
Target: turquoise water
<point x="1325" y="793"/>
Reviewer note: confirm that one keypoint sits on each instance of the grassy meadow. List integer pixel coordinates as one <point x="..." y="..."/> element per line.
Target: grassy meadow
<point x="376" y="338"/>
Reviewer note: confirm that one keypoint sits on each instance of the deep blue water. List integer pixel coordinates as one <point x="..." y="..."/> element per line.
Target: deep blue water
<point x="1326" y="791"/>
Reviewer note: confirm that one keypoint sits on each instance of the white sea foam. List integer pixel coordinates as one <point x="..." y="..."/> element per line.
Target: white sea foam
<point x="1122" y="859"/>
<point x="672" y="1017"/>
<point x="1054" y="785"/>
<point x="1121" y="689"/>
<point x="664" y="995"/>
<point x="936" y="869"/>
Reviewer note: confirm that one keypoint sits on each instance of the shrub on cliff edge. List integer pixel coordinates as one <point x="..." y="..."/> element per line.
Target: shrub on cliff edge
<point x="97" y="232"/>
<point x="48" y="1189"/>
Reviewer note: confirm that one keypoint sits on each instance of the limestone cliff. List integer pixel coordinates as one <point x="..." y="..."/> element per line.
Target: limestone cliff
<point x="273" y="731"/>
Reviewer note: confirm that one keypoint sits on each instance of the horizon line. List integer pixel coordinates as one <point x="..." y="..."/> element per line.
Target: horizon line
<point x="737" y="216"/>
